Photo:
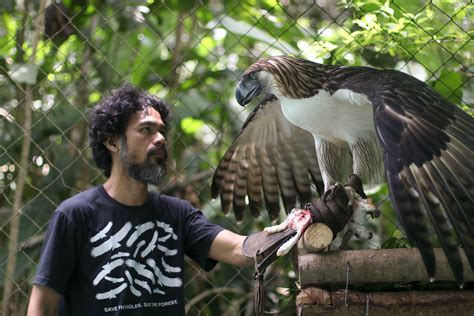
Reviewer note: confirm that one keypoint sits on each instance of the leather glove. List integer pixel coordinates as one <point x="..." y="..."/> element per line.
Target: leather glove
<point x="334" y="208"/>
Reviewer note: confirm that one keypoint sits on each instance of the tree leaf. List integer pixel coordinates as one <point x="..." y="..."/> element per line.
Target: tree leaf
<point x="246" y="29"/>
<point x="449" y="85"/>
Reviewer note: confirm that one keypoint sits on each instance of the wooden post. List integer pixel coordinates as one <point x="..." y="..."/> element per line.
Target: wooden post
<point x="373" y="266"/>
<point x="317" y="237"/>
<point x="314" y="301"/>
<point x="327" y="278"/>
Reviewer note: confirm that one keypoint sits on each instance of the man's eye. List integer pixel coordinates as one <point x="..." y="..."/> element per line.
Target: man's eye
<point x="146" y="130"/>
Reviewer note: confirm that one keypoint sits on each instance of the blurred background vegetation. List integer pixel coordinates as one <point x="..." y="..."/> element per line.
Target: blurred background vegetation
<point x="58" y="60"/>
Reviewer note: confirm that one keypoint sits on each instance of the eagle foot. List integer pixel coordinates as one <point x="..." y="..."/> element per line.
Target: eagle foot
<point x="342" y="207"/>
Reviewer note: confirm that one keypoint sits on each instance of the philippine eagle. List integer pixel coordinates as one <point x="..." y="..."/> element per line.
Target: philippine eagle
<point x="319" y="122"/>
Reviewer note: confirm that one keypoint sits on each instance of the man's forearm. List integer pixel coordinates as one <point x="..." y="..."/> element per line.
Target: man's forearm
<point x="41" y="311"/>
<point x="43" y="301"/>
<point x="227" y="247"/>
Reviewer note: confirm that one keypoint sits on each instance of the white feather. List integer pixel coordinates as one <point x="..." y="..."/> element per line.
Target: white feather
<point x="344" y="118"/>
<point x="339" y="118"/>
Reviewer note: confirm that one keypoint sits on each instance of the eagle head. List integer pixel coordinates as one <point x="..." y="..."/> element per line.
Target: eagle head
<point x="255" y="81"/>
<point x="282" y="76"/>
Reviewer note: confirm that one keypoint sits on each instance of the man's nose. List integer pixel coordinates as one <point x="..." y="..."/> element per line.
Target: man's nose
<point x="159" y="139"/>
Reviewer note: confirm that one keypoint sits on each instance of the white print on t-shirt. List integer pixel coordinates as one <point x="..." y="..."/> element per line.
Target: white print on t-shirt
<point x="130" y="246"/>
<point x="119" y="308"/>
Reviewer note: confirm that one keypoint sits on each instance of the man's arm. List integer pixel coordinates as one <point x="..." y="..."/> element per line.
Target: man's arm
<point x="43" y="301"/>
<point x="227" y="247"/>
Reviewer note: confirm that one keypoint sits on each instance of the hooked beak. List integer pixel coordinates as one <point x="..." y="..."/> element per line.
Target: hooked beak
<point x="247" y="90"/>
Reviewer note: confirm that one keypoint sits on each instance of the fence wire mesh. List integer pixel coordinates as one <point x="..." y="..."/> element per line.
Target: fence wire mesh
<point x="57" y="59"/>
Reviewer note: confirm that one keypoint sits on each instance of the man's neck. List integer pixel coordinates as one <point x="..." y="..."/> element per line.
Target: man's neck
<point x="126" y="190"/>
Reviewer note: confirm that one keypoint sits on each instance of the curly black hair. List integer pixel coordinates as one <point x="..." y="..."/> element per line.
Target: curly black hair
<point x="111" y="115"/>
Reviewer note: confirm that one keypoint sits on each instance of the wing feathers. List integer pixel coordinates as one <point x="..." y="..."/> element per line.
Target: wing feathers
<point x="457" y="195"/>
<point x="270" y="185"/>
<point x="406" y="203"/>
<point x="254" y="183"/>
<point x="432" y="208"/>
<point x="285" y="177"/>
<point x="300" y="174"/>
<point x="427" y="145"/>
<point x="228" y="182"/>
<point x="465" y="123"/>
<point x="308" y="152"/>
<point x="240" y="189"/>
<point x="456" y="215"/>
<point x="460" y="151"/>
<point x="456" y="173"/>
<point x="458" y="134"/>
<point x="269" y="160"/>
<point x="459" y="192"/>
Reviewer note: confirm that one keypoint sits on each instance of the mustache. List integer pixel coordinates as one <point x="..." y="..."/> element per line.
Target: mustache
<point x="158" y="151"/>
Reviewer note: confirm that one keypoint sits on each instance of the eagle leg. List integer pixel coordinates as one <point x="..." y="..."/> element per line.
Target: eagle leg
<point x="334" y="162"/>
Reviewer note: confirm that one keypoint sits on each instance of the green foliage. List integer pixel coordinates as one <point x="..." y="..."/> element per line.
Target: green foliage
<point x="450" y="85"/>
<point x="397" y="240"/>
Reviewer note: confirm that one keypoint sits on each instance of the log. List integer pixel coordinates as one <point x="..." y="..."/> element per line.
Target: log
<point x="315" y="301"/>
<point x="317" y="237"/>
<point x="372" y="266"/>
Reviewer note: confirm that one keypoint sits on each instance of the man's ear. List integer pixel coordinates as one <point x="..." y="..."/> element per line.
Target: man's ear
<point x="112" y="144"/>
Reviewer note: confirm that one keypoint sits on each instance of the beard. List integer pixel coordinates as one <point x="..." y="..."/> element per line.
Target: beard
<point x="151" y="171"/>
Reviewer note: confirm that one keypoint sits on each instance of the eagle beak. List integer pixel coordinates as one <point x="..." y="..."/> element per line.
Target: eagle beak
<point x="246" y="91"/>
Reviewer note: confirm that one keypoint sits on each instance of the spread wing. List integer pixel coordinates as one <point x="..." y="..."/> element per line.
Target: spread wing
<point x="428" y="156"/>
<point x="269" y="158"/>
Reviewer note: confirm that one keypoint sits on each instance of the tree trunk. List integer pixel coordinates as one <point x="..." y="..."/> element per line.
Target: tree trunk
<point x="27" y="102"/>
<point x="78" y="134"/>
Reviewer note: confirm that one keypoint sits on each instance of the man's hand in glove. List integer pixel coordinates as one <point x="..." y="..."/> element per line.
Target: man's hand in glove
<point x="335" y="208"/>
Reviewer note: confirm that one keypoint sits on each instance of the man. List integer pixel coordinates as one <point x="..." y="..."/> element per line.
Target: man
<point x="118" y="248"/>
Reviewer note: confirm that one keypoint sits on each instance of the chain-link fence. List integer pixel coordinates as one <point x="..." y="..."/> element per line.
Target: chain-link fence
<point x="58" y="59"/>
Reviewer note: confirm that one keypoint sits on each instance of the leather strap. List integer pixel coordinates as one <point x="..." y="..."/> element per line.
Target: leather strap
<point x="263" y="248"/>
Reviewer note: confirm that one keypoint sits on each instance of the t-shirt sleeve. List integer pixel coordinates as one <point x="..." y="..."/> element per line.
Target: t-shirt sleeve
<point x="58" y="254"/>
<point x="199" y="234"/>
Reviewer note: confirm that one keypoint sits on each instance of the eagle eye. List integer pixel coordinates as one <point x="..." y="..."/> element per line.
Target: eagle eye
<point x="253" y="75"/>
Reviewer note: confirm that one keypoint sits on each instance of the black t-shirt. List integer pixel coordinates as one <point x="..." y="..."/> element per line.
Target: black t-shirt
<point x="108" y="258"/>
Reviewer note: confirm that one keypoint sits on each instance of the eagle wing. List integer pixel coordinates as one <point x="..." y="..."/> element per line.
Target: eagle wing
<point x="428" y="156"/>
<point x="269" y="158"/>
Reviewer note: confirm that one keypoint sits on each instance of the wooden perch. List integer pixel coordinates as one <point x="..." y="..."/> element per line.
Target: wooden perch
<point x="372" y="266"/>
<point x="315" y="301"/>
<point x="317" y="237"/>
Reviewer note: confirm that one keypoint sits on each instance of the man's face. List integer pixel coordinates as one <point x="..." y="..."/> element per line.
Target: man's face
<point x="143" y="148"/>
